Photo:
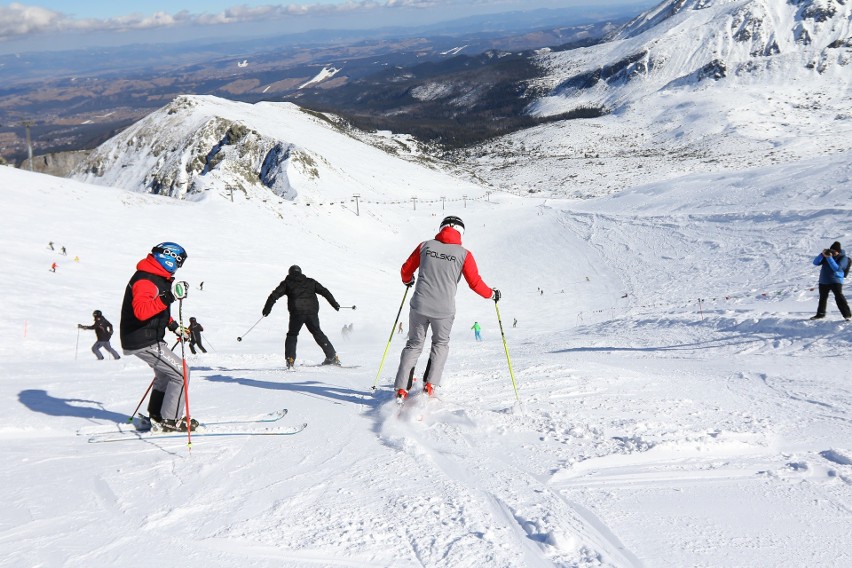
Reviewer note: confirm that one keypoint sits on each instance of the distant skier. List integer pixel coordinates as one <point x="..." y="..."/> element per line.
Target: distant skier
<point x="53" y="267"/>
<point x="62" y="251"/>
<point x="195" y="330"/>
<point x="834" y="268"/>
<point x="515" y="322"/>
<point x="103" y="332"/>
<point x="302" y="303"/>
<point x="50" y="245"/>
<point x="476" y="330"/>
<point x="399" y="330"/>
<point x="145" y="316"/>
<point x="442" y="262"/>
<point x="201" y="286"/>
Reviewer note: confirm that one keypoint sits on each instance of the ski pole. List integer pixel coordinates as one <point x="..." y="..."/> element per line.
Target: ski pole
<point x="382" y="364"/>
<point x="204" y="337"/>
<point x="240" y="338"/>
<point x="348" y="307"/>
<point x="77" y="345"/>
<point x="506" y="348"/>
<point x="138" y="406"/>
<point x="185" y="378"/>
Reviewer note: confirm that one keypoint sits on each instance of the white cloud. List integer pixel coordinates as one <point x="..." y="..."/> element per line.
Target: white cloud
<point x="20" y="20"/>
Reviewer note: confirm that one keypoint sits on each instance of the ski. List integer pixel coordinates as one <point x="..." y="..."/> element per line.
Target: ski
<point x="153" y="435"/>
<point x="330" y="366"/>
<point x="271" y="417"/>
<point x="144" y="425"/>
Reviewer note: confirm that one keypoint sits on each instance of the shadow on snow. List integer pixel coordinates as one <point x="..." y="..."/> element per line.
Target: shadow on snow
<point x="40" y="401"/>
<point x="334" y="393"/>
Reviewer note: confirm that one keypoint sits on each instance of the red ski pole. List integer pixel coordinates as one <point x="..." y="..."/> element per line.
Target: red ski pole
<point x="138" y="406"/>
<point x="185" y="378"/>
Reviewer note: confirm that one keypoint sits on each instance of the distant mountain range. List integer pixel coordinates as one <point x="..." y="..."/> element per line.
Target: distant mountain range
<point x="727" y="83"/>
<point x="77" y="99"/>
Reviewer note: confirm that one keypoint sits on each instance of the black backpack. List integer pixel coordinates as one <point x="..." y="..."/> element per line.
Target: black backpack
<point x="848" y="265"/>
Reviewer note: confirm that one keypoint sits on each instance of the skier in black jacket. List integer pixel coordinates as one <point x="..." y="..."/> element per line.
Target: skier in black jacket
<point x="103" y="332"/>
<point x="303" y="305"/>
<point x="195" y="330"/>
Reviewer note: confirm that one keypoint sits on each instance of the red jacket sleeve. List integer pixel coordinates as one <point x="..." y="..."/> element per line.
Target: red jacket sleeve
<point x="411" y="265"/>
<point x="146" y="300"/>
<point x="472" y="277"/>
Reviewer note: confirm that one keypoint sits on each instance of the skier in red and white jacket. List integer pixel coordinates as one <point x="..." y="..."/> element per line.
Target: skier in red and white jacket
<point x="441" y="262"/>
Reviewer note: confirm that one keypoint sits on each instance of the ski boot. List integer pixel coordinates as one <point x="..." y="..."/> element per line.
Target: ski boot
<point x="401" y="395"/>
<point x="429" y="389"/>
<point x="171" y="426"/>
<point x="290" y="363"/>
<point x="333" y="360"/>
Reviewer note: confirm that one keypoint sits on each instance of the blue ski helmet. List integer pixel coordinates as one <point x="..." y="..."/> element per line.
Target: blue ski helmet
<point x="169" y="255"/>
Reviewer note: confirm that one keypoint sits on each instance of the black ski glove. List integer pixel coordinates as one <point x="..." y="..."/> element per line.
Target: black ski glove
<point x="267" y="309"/>
<point x="336" y="307"/>
<point x="167" y="297"/>
<point x="496" y="295"/>
<point x="173" y="326"/>
<point x="410" y="283"/>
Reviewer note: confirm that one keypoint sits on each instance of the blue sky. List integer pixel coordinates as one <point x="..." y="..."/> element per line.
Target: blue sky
<point x="60" y="24"/>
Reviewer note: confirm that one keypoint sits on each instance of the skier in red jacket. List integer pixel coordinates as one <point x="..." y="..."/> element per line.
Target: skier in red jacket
<point x="442" y="262"/>
<point x="145" y="316"/>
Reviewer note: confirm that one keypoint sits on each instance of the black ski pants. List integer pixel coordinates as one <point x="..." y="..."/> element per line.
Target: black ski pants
<point x="837" y="289"/>
<point x="195" y="340"/>
<point x="311" y="321"/>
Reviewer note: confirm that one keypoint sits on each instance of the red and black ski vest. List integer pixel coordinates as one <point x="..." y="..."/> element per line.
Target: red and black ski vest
<point x="136" y="333"/>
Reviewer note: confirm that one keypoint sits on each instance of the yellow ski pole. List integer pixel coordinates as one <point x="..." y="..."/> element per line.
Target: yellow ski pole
<point x="393" y="329"/>
<point x="506" y="348"/>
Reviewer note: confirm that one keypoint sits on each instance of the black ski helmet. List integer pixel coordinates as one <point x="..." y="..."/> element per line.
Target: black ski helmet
<point x="97" y="314"/>
<point x="294" y="270"/>
<point x="454" y="222"/>
<point x="192" y="319"/>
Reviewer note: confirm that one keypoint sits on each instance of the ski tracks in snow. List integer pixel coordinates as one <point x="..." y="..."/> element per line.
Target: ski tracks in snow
<point x="501" y="512"/>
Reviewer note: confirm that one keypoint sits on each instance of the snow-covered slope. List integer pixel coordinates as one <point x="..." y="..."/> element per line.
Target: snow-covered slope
<point x="199" y="142"/>
<point x="678" y="408"/>
<point x="691" y="86"/>
<point x="687" y="42"/>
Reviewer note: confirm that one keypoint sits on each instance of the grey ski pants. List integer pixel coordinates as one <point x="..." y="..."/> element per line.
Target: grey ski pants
<point x="96" y="349"/>
<point x="168" y="377"/>
<point x="418" y="324"/>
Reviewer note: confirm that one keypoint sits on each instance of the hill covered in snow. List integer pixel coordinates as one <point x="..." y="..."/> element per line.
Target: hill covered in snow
<point x="196" y="144"/>
<point x="688" y="86"/>
<point x="674" y="404"/>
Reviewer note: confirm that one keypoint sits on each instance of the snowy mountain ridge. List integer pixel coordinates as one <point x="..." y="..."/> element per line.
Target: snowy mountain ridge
<point x="201" y="143"/>
<point x="686" y="42"/>
<point x="690" y="86"/>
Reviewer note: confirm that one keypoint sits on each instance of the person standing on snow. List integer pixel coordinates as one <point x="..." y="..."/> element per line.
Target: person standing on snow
<point x="145" y="316"/>
<point x="195" y="330"/>
<point x="442" y="262"/>
<point x="476" y="330"/>
<point x="302" y="303"/>
<point x="103" y="332"/>
<point x="834" y="268"/>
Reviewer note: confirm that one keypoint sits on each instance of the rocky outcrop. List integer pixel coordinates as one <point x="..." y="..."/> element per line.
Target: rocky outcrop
<point x="59" y="164"/>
